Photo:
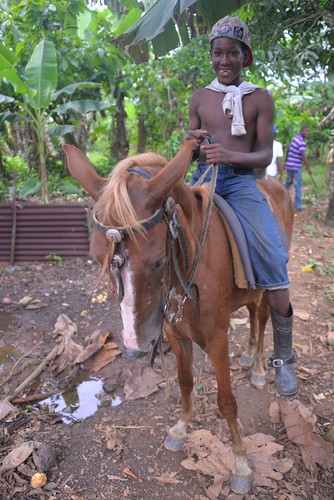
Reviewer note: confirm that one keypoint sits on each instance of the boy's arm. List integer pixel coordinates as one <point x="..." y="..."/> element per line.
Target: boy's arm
<point x="194" y="131"/>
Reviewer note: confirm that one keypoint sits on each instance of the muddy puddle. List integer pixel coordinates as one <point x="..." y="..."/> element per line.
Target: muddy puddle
<point x="75" y="403"/>
<point x="9" y="354"/>
<point x="81" y="401"/>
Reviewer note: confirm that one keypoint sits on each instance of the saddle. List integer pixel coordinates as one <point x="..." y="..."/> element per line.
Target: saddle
<point x="242" y="266"/>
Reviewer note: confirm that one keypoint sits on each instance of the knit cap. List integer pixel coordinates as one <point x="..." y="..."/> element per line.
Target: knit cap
<point x="233" y="27"/>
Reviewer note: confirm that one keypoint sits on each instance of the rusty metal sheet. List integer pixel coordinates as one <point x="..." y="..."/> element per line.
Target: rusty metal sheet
<point x="41" y="230"/>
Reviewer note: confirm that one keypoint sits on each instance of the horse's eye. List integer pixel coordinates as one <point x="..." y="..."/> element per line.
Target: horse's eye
<point x="156" y="265"/>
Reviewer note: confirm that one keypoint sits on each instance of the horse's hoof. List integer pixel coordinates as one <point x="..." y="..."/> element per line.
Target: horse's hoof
<point x="259" y="381"/>
<point x="173" y="444"/>
<point x="245" y="361"/>
<point x="241" y="484"/>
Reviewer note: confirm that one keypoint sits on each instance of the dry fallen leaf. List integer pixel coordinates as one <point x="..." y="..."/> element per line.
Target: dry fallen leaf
<point x="101" y="359"/>
<point x="127" y="471"/>
<point x="299" y="422"/>
<point x="303" y="315"/>
<point x="96" y="342"/>
<point x="208" y="455"/>
<point x="68" y="350"/>
<point x="36" y="304"/>
<point x="44" y="457"/>
<point x="5" y="409"/>
<point x="167" y="479"/>
<point x="140" y="384"/>
<point x="17" y="456"/>
<point x="274" y="412"/>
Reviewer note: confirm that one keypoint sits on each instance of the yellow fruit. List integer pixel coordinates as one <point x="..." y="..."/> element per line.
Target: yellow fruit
<point x="38" y="480"/>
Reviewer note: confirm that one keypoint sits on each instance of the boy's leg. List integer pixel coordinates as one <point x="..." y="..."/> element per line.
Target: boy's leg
<point x="266" y="248"/>
<point x="283" y="358"/>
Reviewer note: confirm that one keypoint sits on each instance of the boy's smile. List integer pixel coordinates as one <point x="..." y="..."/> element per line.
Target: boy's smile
<point x="227" y="59"/>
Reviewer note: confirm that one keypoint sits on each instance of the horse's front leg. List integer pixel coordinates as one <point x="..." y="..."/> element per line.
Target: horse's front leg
<point x="241" y="481"/>
<point x="183" y="351"/>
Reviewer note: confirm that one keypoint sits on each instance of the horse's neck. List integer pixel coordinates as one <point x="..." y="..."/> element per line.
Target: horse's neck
<point x="191" y="214"/>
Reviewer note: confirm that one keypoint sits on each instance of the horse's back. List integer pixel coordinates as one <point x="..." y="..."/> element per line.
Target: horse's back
<point x="280" y="202"/>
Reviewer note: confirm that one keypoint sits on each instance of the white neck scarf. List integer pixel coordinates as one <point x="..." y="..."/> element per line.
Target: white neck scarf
<point x="232" y="103"/>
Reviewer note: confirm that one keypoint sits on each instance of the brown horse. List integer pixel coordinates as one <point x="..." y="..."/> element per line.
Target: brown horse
<point x="168" y="273"/>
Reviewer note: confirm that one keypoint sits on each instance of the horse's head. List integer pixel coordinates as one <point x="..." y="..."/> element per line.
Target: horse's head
<point x="129" y="233"/>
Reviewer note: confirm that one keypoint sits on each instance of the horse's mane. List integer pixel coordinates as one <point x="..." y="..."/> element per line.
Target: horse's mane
<point x="115" y="199"/>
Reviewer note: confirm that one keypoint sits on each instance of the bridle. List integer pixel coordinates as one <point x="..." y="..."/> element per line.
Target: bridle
<point x="175" y="234"/>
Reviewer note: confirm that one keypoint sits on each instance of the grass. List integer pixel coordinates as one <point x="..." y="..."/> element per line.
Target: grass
<point x="313" y="192"/>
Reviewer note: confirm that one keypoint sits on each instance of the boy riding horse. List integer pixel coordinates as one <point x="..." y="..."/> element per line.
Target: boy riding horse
<point x="239" y="118"/>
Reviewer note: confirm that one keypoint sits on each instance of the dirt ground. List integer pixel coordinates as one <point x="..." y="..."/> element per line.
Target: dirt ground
<point x="108" y="446"/>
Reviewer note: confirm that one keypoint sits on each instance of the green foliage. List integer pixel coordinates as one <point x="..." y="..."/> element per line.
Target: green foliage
<point x="157" y="24"/>
<point x="292" y="53"/>
<point x="323" y="269"/>
<point x="320" y="176"/>
<point x="30" y="187"/>
<point x="100" y="159"/>
<point x="162" y="90"/>
<point x="66" y="186"/>
<point x="53" y="256"/>
<point x="12" y="163"/>
<point x="4" y="190"/>
<point x="294" y="38"/>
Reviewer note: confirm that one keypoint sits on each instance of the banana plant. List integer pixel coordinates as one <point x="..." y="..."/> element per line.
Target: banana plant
<point x="36" y="96"/>
<point x="168" y="24"/>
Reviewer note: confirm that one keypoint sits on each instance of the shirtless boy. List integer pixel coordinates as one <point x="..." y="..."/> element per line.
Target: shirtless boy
<point x="239" y="118"/>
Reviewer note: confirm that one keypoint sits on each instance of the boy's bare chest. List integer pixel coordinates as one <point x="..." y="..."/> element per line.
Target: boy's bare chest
<point x="211" y="113"/>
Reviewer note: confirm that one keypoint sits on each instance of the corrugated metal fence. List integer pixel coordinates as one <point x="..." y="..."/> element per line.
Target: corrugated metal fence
<point x="30" y="231"/>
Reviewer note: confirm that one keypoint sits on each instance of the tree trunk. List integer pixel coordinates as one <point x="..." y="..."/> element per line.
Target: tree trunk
<point x="3" y="171"/>
<point x="119" y="142"/>
<point x="329" y="221"/>
<point x="141" y="134"/>
<point x="44" y="179"/>
<point x="42" y="168"/>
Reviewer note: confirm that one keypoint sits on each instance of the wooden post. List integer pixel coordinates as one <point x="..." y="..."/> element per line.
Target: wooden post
<point x="89" y="222"/>
<point x="329" y="221"/>
<point x="13" y="240"/>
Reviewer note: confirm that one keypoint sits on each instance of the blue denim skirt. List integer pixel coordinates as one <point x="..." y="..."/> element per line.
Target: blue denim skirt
<point x="266" y="238"/>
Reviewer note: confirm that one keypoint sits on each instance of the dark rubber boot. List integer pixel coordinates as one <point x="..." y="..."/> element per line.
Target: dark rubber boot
<point x="283" y="358"/>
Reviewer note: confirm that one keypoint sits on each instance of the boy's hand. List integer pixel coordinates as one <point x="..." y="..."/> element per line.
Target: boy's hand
<point x="215" y="153"/>
<point x="198" y="135"/>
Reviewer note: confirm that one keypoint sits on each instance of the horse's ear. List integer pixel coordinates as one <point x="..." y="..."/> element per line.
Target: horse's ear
<point x="83" y="171"/>
<point x="164" y="181"/>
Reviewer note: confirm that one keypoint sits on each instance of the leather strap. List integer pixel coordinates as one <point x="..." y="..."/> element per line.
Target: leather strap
<point x="278" y="363"/>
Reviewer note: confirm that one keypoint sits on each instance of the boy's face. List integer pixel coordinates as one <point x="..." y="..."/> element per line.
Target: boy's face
<point x="227" y="59"/>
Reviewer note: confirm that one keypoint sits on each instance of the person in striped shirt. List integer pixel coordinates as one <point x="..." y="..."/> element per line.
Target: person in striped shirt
<point x="294" y="162"/>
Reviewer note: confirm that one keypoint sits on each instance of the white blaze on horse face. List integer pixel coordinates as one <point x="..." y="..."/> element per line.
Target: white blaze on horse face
<point x="127" y="310"/>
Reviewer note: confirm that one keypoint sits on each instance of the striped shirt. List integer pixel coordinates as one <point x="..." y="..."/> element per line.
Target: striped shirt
<point x="296" y="149"/>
